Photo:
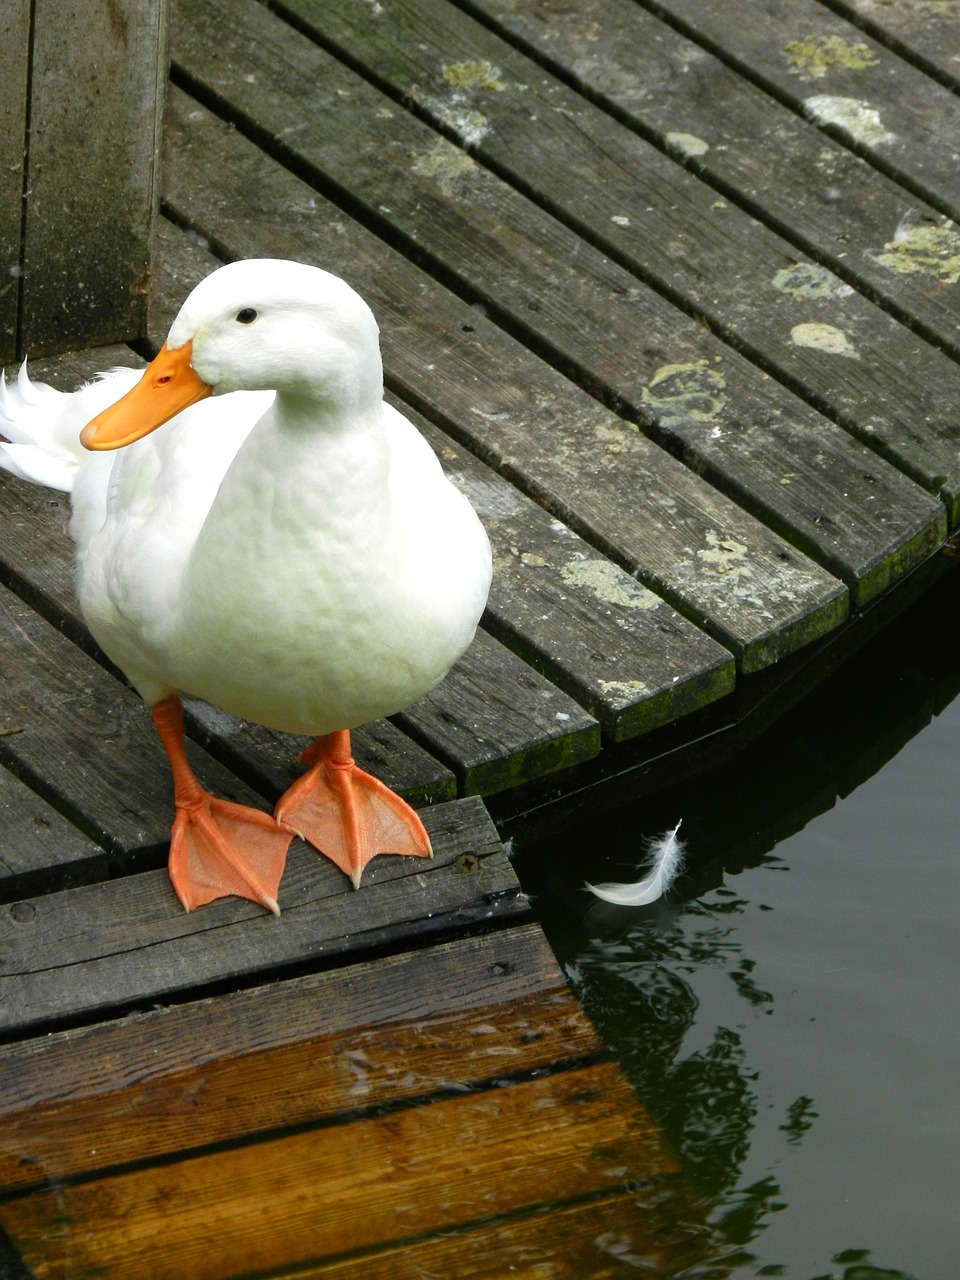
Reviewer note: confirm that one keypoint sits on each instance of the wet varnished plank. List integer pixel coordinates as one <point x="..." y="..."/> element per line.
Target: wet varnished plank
<point x="649" y="513"/>
<point x="421" y="1170"/>
<point x="649" y="1230"/>
<point x="415" y="1025"/>
<point x="654" y="1229"/>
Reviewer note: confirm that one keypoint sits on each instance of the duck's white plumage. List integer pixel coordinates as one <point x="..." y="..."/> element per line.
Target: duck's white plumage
<point x="291" y="553"/>
<point x="287" y="549"/>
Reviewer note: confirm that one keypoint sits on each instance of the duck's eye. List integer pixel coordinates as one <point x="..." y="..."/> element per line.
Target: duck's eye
<point x="246" y="316"/>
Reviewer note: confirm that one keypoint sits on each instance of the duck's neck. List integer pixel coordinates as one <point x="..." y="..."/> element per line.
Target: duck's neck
<point x="304" y="456"/>
<point x="311" y="414"/>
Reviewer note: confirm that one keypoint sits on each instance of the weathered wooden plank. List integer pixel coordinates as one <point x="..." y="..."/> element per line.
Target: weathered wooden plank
<point x="854" y="513"/>
<point x="498" y="723"/>
<point x="398" y="1028"/>
<point x="832" y="204"/>
<point x="426" y="1169"/>
<point x="14" y="95"/>
<point x="792" y="316"/>
<point x="37" y="844"/>
<point x="84" y="741"/>
<point x="926" y="33"/>
<point x="641" y="507"/>
<point x="619" y="650"/>
<point x="128" y="941"/>
<point x="35" y="555"/>
<point x="88" y="229"/>
<point x="844" y="81"/>
<point x="613" y="645"/>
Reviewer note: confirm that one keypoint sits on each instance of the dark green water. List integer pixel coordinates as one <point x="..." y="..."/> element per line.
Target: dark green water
<point x="791" y="1016"/>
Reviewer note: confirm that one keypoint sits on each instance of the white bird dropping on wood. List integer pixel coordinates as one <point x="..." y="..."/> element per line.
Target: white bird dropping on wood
<point x="666" y="854"/>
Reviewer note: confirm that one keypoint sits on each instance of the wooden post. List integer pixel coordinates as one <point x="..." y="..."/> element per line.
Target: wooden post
<point x="81" y="91"/>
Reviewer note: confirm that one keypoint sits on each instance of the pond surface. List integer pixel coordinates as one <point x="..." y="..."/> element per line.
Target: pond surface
<point x="791" y="1015"/>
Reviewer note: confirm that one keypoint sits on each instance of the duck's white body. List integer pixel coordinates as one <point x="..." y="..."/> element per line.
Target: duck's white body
<point x="307" y="590"/>
<point x="299" y="563"/>
<point x="288" y="550"/>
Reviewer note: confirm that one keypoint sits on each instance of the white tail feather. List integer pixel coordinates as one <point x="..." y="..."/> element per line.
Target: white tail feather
<point x="666" y="854"/>
<point x="42" y="425"/>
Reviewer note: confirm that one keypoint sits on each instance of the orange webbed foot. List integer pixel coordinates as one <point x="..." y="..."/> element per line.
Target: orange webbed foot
<point x="347" y="814"/>
<point x="218" y="848"/>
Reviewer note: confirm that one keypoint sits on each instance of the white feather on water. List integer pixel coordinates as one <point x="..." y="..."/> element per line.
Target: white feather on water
<point x="666" y="855"/>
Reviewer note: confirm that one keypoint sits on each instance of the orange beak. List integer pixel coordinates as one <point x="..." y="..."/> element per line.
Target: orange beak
<point x="168" y="386"/>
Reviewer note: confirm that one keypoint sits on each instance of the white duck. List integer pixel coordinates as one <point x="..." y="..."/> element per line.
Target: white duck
<point x="291" y="553"/>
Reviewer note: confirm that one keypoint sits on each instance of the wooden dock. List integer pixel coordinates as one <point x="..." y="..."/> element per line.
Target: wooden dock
<point x="674" y="299"/>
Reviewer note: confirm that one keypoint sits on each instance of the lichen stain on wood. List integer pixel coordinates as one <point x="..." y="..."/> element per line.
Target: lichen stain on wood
<point x="923" y="246"/>
<point x="689" y="392"/>
<point x="814" y="57"/>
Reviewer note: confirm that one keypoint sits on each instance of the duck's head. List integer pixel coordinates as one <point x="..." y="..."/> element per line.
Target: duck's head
<point x="263" y="324"/>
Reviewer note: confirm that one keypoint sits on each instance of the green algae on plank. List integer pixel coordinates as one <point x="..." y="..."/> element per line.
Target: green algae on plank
<point x="473" y="75"/>
<point x="813" y="58"/>
<point x="932" y="248"/>
<point x="729" y="559"/>
<point x="456" y="109"/>
<point x="447" y="165"/>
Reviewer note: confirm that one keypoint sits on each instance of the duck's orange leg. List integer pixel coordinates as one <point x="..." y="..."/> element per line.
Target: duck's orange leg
<point x="217" y="848"/>
<point x="347" y="814"/>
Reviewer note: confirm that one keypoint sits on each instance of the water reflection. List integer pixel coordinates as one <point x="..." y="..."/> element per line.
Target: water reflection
<point x="788" y="1018"/>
